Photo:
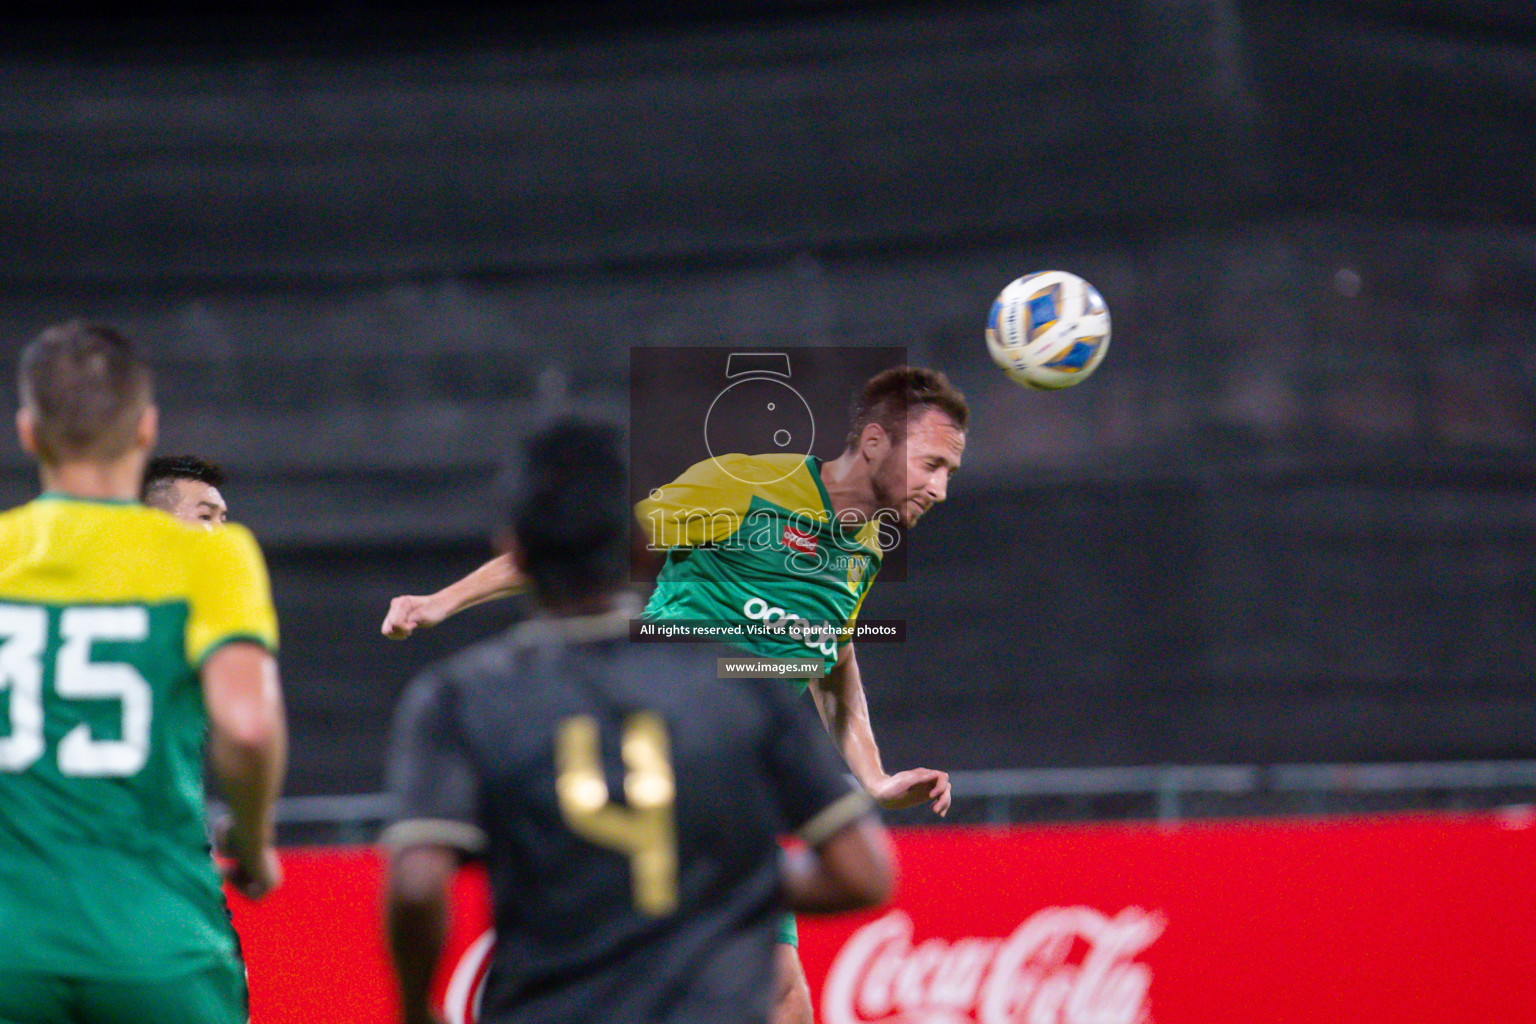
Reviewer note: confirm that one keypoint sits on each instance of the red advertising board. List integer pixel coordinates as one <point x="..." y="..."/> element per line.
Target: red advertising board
<point x="1426" y="919"/>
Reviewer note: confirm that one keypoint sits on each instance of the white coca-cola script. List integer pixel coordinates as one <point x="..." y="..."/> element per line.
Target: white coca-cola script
<point x="1063" y="965"/>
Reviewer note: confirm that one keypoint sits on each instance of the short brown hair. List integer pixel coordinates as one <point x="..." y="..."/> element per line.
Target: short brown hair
<point x="85" y="386"/>
<point x="892" y="397"/>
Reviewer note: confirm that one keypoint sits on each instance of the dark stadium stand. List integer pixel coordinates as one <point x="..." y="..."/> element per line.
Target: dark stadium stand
<point x="1290" y="520"/>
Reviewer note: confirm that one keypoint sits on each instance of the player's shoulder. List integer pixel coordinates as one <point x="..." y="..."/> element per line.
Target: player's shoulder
<point x="220" y="556"/>
<point x="16" y="534"/>
<point x="526" y="665"/>
<point x="93" y="528"/>
<point x="14" y="527"/>
<point x="55" y="507"/>
<point x="470" y="688"/>
<point x="222" y="567"/>
<point x="12" y="517"/>
<point x="780" y="477"/>
<point x="487" y="659"/>
<point x="229" y="540"/>
<point x="753" y="469"/>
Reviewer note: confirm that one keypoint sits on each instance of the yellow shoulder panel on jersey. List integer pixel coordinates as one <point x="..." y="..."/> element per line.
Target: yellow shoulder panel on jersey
<point x="63" y="551"/>
<point x="869" y="537"/>
<point x="230" y="594"/>
<point x="707" y="503"/>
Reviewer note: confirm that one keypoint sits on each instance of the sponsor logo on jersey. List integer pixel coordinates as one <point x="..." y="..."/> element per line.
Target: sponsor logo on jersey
<point x="1063" y="965"/>
<point x="820" y="637"/>
<point x="799" y="540"/>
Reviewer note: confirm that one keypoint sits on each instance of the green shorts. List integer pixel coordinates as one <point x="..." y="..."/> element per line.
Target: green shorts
<point x="214" y="995"/>
<point x="789" y="935"/>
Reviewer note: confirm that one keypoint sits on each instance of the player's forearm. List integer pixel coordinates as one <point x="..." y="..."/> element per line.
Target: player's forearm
<point x="847" y="722"/>
<point x="418" y="928"/>
<point x="495" y="579"/>
<point x="862" y="755"/>
<point x="249" y="772"/>
<point x="845" y="713"/>
<point x="247" y="742"/>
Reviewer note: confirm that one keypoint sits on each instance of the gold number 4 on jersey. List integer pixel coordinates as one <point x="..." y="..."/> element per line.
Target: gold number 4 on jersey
<point x="642" y="827"/>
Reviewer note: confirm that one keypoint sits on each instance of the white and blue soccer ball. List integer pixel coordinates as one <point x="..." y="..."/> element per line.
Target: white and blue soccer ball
<point x="1048" y="330"/>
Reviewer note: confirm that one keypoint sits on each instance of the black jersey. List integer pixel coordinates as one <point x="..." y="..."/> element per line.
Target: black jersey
<point x="627" y="803"/>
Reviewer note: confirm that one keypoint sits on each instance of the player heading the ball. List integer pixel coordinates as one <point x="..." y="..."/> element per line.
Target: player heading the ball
<point x="905" y="441"/>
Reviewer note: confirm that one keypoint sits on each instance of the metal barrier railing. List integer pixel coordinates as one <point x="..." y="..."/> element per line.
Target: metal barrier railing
<point x="1172" y="785"/>
<point x="355" y="818"/>
<point x="998" y="788"/>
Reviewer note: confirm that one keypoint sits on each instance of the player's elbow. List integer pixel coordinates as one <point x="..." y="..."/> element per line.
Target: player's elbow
<point x="419" y="877"/>
<point x="862" y="865"/>
<point x="255" y="728"/>
<point x="877" y="884"/>
<point x="244" y="699"/>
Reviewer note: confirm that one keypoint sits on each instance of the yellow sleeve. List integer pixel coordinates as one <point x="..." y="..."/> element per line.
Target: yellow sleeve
<point x="705" y="505"/>
<point x="230" y="597"/>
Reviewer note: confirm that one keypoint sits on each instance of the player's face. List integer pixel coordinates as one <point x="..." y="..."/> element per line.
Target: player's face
<point x="197" y="503"/>
<point x="915" y="475"/>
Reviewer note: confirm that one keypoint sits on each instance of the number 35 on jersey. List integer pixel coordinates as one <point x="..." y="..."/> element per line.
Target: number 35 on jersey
<point x="32" y="655"/>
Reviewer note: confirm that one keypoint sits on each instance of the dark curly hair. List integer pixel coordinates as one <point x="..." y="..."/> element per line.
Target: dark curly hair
<point x="568" y="508"/>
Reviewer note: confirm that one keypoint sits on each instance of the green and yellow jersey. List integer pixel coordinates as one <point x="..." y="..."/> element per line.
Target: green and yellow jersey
<point x="752" y="539"/>
<point x="107" y="612"/>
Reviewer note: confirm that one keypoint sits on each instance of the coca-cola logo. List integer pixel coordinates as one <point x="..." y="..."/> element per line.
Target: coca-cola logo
<point x="1064" y="965"/>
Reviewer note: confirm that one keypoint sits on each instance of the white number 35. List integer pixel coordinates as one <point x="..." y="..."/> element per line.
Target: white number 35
<point x="23" y="641"/>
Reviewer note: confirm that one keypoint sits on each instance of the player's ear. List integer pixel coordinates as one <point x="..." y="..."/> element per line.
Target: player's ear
<point x="874" y="442"/>
<point x="26" y="431"/>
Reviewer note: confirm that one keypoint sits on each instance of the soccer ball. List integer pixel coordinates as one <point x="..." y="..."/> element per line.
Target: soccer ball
<point x="1048" y="330"/>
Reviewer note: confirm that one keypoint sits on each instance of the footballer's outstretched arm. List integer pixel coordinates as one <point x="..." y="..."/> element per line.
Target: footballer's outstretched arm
<point x="497" y="578"/>
<point x="417" y="919"/>
<point x="248" y="750"/>
<point x="839" y="697"/>
<point x="852" y="869"/>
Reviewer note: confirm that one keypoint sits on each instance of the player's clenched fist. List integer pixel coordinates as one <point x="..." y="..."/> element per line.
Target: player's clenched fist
<point x="496" y="578"/>
<point x="255" y="875"/>
<point x="409" y="611"/>
<point x="250" y="865"/>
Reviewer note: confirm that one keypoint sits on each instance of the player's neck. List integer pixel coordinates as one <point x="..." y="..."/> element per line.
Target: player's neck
<point x="849" y="488"/>
<point x="595" y="604"/>
<point x="102" y="481"/>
